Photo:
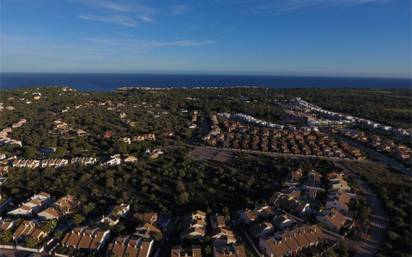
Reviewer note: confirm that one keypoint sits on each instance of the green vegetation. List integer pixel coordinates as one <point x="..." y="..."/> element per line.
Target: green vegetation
<point x="395" y="191"/>
<point x="174" y="183"/>
<point x="171" y="184"/>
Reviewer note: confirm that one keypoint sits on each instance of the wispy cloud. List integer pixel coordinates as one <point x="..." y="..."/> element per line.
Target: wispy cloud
<point x="154" y="44"/>
<point x="178" y="9"/>
<point x="145" y="45"/>
<point x="290" y="5"/>
<point x="119" y="6"/>
<point x="280" y="6"/>
<point x="121" y="13"/>
<point x="116" y="19"/>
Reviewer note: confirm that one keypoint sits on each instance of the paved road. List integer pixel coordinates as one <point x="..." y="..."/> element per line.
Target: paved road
<point x="369" y="246"/>
<point x="16" y="253"/>
<point x="166" y="243"/>
<point x="294" y="156"/>
<point x="251" y="243"/>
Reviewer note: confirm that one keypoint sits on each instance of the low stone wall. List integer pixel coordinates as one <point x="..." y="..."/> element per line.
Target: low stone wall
<point x="8" y="247"/>
<point x="19" y="248"/>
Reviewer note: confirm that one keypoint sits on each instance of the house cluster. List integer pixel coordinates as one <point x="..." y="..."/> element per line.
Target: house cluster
<point x="52" y="163"/>
<point x="144" y="137"/>
<point x="224" y="239"/>
<point x="112" y="160"/>
<point x="299" y="141"/>
<point x="94" y="239"/>
<point x="85" y="238"/>
<point x="32" y="206"/>
<point x="32" y="229"/>
<point x="19" y="124"/>
<point x="290" y="243"/>
<point x="397" y="151"/>
<point x="351" y="119"/>
<point x="42" y="206"/>
<point x="36" y="95"/>
<point x="83" y="161"/>
<point x="244" y="118"/>
<point x="129" y="247"/>
<point x="339" y="194"/>
<point x="64" y="128"/>
<point x="118" y="159"/>
<point x="7" y="225"/>
<point x="300" y="112"/>
<point x="39" y="213"/>
<point x="194" y="225"/>
<point x="117" y="212"/>
<point x="154" y="89"/>
<point x="63" y="206"/>
<point x="150" y="225"/>
<point x="128" y="122"/>
<point x="8" y="107"/>
<point x="284" y="226"/>
<point x="153" y="154"/>
<point x="40" y="219"/>
<point x="5" y="138"/>
<point x="4" y="167"/>
<point x="193" y="123"/>
<point x="139" y="138"/>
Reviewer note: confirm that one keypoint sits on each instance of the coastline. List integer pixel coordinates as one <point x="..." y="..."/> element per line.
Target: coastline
<point x="111" y="82"/>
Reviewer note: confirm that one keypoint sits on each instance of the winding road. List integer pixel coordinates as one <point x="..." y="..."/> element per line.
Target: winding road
<point x="368" y="247"/>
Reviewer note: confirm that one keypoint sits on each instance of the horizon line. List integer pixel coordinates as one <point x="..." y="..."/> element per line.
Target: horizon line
<point x="198" y="73"/>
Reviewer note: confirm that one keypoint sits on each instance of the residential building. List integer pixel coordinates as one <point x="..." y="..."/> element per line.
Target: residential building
<point x="233" y="250"/>
<point x="113" y="161"/>
<point x="283" y="220"/>
<point x="86" y="238"/>
<point x="117" y="212"/>
<point x="83" y="161"/>
<point x="290" y="204"/>
<point x="339" y="201"/>
<point x="144" y="137"/>
<point x="261" y="229"/>
<point x="50" y="213"/>
<point x="35" y="204"/>
<point x="217" y="221"/>
<point x="130" y="159"/>
<point x="125" y="247"/>
<point x="148" y="217"/>
<point x="193" y="251"/>
<point x="194" y="225"/>
<point x="332" y="218"/>
<point x="292" y="242"/>
<point x="224" y="235"/>
<point x="6" y="224"/>
<point x="148" y="230"/>
<point x="247" y="216"/>
<point x="29" y="229"/>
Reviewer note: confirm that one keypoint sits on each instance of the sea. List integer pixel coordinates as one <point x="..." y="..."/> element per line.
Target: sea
<point x="110" y="82"/>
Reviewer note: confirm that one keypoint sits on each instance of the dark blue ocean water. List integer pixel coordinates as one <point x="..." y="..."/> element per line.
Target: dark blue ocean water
<point x="108" y="82"/>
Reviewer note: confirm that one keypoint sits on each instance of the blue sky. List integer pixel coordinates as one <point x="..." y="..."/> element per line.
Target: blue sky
<point x="299" y="37"/>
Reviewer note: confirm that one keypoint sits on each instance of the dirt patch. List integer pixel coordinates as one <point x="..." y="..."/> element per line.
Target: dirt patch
<point x="205" y="153"/>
